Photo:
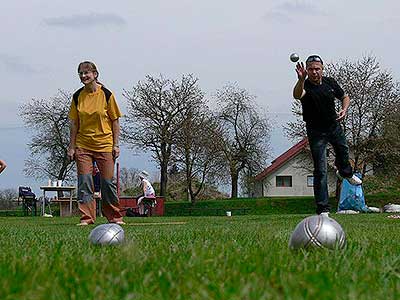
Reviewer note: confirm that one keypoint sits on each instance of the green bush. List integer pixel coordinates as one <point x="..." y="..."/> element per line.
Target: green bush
<point x="270" y="205"/>
<point x="256" y="206"/>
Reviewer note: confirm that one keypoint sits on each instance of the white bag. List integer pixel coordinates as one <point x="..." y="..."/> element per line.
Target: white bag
<point x="391" y="208"/>
<point x="374" y="209"/>
<point x="348" y="212"/>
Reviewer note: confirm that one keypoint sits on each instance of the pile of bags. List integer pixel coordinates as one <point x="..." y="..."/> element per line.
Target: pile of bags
<point x="391" y="208"/>
<point x="352" y="199"/>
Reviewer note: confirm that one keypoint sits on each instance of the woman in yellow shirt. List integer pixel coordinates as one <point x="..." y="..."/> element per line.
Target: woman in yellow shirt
<point x="94" y="137"/>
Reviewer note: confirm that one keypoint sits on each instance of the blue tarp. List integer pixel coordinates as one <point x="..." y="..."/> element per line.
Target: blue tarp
<point x="352" y="197"/>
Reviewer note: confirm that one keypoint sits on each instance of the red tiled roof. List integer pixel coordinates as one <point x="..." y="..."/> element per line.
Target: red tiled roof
<point x="283" y="158"/>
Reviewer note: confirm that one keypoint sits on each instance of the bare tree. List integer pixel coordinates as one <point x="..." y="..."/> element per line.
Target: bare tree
<point x="246" y="133"/>
<point x="128" y="178"/>
<point x="373" y="94"/>
<point x="7" y="198"/>
<point x="198" y="150"/>
<point x="296" y="130"/>
<point x="387" y="161"/>
<point x="48" y="121"/>
<point x="153" y="120"/>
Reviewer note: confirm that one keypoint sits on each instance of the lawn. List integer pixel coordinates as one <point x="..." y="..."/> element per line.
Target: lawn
<point x="242" y="257"/>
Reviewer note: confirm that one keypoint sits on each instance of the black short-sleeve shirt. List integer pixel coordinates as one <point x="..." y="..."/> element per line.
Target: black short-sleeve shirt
<point x="318" y="103"/>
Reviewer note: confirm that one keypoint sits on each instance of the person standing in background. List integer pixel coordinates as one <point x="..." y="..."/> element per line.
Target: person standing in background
<point x="94" y="137"/>
<point x="317" y="94"/>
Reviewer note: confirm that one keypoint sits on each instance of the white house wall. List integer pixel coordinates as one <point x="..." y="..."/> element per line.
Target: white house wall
<point x="295" y="168"/>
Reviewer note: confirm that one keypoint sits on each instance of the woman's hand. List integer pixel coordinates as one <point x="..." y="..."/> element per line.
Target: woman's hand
<point x="71" y="153"/>
<point x="115" y="152"/>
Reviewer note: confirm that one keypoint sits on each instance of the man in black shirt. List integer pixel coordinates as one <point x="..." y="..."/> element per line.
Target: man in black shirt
<point x="317" y="94"/>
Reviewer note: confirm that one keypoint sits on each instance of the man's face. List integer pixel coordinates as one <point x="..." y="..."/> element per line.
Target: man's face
<point x="314" y="72"/>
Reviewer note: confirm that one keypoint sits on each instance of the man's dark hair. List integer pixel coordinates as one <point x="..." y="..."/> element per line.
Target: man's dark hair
<point x="313" y="58"/>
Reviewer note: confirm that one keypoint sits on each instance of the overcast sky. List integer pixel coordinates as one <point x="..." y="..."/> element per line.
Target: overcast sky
<point x="219" y="41"/>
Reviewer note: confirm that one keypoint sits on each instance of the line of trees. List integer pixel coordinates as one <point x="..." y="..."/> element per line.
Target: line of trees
<point x="7" y="198"/>
<point x="172" y="120"/>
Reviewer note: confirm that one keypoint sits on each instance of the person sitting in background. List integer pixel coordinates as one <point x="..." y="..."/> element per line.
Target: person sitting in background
<point x="148" y="192"/>
<point x="96" y="181"/>
<point x="3" y="165"/>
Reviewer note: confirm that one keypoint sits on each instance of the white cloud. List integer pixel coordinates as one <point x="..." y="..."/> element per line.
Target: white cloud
<point x="287" y="12"/>
<point x="277" y="16"/>
<point x="87" y="20"/>
<point x="300" y="7"/>
<point x="15" y="64"/>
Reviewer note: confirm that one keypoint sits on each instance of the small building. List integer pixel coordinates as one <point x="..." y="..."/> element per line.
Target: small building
<point x="291" y="174"/>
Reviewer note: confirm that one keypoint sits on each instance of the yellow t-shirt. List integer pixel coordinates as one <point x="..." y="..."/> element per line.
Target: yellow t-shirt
<point x="95" y="118"/>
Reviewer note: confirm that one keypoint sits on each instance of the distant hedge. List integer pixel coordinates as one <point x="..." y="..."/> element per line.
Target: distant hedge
<point x="262" y="206"/>
<point x="256" y="206"/>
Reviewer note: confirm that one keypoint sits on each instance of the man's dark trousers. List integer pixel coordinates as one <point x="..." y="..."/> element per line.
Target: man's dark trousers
<point x="318" y="141"/>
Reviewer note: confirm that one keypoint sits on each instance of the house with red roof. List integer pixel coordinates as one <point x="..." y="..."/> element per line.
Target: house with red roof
<point x="291" y="174"/>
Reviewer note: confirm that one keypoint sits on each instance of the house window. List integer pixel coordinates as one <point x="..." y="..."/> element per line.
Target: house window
<point x="283" y="181"/>
<point x="310" y="180"/>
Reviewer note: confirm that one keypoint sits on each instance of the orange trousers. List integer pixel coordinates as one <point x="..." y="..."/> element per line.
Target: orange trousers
<point x="109" y="199"/>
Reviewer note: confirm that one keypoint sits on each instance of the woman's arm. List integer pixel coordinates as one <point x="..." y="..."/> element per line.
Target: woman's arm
<point x="74" y="126"/>
<point x="115" y="130"/>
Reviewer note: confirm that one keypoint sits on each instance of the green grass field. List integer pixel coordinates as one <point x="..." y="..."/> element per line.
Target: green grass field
<point x="243" y="257"/>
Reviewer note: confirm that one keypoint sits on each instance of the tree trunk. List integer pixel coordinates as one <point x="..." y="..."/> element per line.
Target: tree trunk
<point x="234" y="179"/>
<point x="165" y="155"/>
<point x="163" y="178"/>
<point x="188" y="179"/>
<point x="188" y="188"/>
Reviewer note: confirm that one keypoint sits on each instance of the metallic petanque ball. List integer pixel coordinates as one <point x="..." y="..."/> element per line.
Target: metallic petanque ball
<point x="294" y="57"/>
<point x="318" y="231"/>
<point x="107" y="234"/>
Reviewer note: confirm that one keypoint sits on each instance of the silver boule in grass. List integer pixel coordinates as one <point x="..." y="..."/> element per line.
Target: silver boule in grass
<point x="318" y="231"/>
<point x="107" y="234"/>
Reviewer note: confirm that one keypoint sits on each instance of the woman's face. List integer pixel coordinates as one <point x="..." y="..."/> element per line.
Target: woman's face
<point x="87" y="75"/>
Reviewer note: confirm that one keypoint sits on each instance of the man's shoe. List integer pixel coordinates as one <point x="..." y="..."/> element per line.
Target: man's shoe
<point x="354" y="180"/>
